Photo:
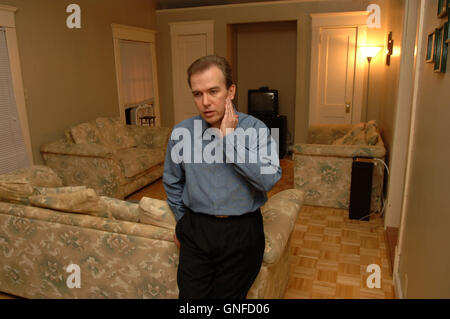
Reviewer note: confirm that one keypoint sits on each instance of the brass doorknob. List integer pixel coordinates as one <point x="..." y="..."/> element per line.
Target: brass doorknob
<point x="347" y="107"/>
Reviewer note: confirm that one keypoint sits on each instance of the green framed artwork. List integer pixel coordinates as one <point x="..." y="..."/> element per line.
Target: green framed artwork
<point x="444" y="48"/>
<point x="430" y="48"/>
<point x="447" y="40"/>
<point x="438" y="35"/>
<point x="440" y="48"/>
<point x="443" y="6"/>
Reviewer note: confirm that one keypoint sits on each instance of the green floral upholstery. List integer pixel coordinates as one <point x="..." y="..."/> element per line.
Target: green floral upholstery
<point x="323" y="165"/>
<point x="118" y="256"/>
<point x="16" y="187"/>
<point x="156" y="212"/>
<point x="84" y="201"/>
<point x="86" y="133"/>
<point x="115" y="133"/>
<point x="113" y="159"/>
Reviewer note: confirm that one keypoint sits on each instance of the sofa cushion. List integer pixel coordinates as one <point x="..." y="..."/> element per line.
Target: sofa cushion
<point x="86" y="133"/>
<point x="115" y="133"/>
<point x="37" y="175"/>
<point x="372" y="134"/>
<point x="356" y="136"/>
<point x="156" y="212"/>
<point x="16" y="190"/>
<point x="136" y="160"/>
<point x="120" y="209"/>
<point x="57" y="190"/>
<point x="82" y="201"/>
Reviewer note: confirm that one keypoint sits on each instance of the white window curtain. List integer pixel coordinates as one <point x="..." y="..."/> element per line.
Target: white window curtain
<point x="137" y="72"/>
<point x="13" y="154"/>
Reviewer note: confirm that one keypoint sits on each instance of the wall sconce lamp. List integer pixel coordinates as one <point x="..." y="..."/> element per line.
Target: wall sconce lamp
<point x="369" y="52"/>
<point x="390" y="49"/>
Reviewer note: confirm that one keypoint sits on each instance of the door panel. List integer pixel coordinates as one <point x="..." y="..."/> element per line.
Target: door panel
<point x="190" y="41"/>
<point x="191" y="47"/>
<point x="336" y="75"/>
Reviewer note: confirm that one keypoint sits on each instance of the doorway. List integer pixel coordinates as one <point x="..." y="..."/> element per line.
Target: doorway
<point x="265" y="54"/>
<point x="337" y="68"/>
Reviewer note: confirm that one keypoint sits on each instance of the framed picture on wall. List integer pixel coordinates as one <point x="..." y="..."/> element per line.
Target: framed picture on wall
<point x="444" y="48"/>
<point x="447" y="40"/>
<point x="438" y="36"/>
<point x="442" y="8"/>
<point x="430" y="48"/>
<point x="440" y="48"/>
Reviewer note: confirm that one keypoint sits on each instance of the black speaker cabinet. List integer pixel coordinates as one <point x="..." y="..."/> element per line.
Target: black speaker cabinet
<point x="280" y="122"/>
<point x="361" y="188"/>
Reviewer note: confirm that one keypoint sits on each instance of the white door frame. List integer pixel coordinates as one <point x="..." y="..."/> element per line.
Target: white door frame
<point x="356" y="19"/>
<point x="124" y="32"/>
<point x="187" y="28"/>
<point x="7" y="20"/>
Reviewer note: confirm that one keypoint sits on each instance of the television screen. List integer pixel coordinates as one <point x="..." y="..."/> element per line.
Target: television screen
<point x="263" y="102"/>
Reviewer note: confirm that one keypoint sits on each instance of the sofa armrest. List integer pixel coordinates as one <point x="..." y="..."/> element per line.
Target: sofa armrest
<point x="279" y="215"/>
<point x="64" y="148"/>
<point x="84" y="165"/>
<point x="340" y="150"/>
<point x="149" y="136"/>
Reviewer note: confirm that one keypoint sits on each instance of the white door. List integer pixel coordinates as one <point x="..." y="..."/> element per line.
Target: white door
<point x="336" y="81"/>
<point x="336" y="74"/>
<point x="190" y="41"/>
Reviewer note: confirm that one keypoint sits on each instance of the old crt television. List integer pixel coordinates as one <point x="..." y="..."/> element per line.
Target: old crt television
<point x="263" y="101"/>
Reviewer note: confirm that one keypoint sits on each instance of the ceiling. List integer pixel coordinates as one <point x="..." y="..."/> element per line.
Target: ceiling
<point x="172" y="4"/>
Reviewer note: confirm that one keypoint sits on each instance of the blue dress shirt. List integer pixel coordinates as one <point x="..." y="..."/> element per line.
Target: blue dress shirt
<point x="216" y="175"/>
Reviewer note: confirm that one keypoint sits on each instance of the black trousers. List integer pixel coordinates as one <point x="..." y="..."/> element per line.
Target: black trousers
<point x="219" y="257"/>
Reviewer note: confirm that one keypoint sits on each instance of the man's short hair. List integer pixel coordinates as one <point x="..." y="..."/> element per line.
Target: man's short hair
<point x="204" y="63"/>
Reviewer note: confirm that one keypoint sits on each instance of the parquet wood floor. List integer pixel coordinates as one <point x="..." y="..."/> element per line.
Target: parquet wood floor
<point x="329" y="253"/>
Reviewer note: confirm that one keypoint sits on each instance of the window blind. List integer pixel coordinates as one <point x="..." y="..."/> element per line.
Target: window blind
<point x="137" y="72"/>
<point x="13" y="153"/>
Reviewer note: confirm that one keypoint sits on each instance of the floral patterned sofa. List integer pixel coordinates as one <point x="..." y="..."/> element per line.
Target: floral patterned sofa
<point x="123" y="249"/>
<point x="323" y="165"/>
<point x="110" y="157"/>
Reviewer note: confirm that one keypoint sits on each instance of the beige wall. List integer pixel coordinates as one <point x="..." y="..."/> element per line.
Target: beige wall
<point x="266" y="56"/>
<point x="387" y="102"/>
<point x="384" y="79"/>
<point x="424" y="256"/>
<point x="69" y="75"/>
<point x="225" y="15"/>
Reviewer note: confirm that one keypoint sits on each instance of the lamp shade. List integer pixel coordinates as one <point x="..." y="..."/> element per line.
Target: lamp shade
<point x="370" y="51"/>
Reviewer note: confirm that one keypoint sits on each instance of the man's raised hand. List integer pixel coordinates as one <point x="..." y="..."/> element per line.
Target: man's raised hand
<point x="230" y="119"/>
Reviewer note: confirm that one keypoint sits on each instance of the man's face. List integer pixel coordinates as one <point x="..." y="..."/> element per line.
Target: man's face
<point x="210" y="94"/>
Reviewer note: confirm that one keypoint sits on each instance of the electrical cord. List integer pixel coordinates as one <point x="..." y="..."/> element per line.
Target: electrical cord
<point x="382" y="196"/>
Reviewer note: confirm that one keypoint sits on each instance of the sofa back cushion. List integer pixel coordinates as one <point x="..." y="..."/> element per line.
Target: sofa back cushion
<point x="120" y="209"/>
<point x="156" y="212"/>
<point x="86" y="133"/>
<point x="37" y="175"/>
<point x="372" y="134"/>
<point x="114" y="133"/>
<point x="356" y="136"/>
<point x="15" y="191"/>
<point x="83" y="201"/>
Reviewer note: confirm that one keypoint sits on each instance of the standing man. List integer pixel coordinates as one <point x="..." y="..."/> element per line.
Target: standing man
<point x="217" y="203"/>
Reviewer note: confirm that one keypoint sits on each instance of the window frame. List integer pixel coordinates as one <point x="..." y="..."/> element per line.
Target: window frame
<point x="7" y="22"/>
